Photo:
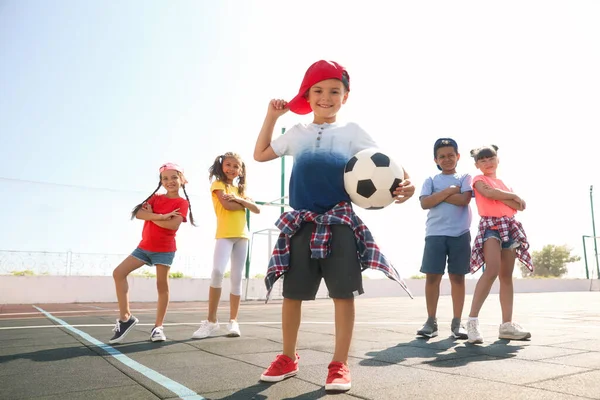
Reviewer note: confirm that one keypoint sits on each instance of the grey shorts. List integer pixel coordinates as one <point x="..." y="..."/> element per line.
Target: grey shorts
<point x="154" y="258"/>
<point x="438" y="249"/>
<point x="341" y="270"/>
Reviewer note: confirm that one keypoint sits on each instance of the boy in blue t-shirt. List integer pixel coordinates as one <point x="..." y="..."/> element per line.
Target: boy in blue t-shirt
<point x="446" y="196"/>
<point x="322" y="237"/>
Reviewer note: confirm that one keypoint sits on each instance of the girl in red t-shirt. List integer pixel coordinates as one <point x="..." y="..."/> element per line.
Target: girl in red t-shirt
<point x="162" y="215"/>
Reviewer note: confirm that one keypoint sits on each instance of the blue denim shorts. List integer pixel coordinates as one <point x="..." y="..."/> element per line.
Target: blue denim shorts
<point x="442" y="250"/>
<point x="154" y="258"/>
<point x="492" y="233"/>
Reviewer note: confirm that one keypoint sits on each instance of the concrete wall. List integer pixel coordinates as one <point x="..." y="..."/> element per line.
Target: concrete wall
<point x="82" y="289"/>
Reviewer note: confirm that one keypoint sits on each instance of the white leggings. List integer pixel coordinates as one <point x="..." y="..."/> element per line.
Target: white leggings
<point x="236" y="248"/>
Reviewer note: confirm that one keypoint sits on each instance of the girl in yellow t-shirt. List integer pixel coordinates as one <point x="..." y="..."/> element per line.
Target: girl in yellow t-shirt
<point x="230" y="204"/>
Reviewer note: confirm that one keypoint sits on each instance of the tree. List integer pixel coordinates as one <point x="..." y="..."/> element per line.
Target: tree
<point x="552" y="260"/>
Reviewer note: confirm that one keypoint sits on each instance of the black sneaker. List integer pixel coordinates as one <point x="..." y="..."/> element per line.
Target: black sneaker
<point x="458" y="329"/>
<point x="429" y="329"/>
<point x="121" y="329"/>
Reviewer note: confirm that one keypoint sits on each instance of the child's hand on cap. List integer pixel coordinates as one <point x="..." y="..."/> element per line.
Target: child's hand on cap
<point x="277" y="108"/>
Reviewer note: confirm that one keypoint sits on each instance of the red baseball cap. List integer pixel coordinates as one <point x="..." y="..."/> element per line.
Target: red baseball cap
<point x="319" y="71"/>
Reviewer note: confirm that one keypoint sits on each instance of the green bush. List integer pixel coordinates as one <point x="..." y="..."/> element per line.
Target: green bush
<point x="26" y="272"/>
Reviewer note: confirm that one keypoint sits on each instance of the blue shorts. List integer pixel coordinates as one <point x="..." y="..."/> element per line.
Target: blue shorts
<point x="493" y="233"/>
<point x="457" y="250"/>
<point x="154" y="258"/>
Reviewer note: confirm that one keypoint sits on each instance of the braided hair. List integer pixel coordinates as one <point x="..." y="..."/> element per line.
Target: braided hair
<point x="139" y="206"/>
<point x="189" y="204"/>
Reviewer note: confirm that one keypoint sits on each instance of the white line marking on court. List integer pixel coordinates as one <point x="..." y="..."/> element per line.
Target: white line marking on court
<point x="375" y="323"/>
<point x="175" y="387"/>
<point x="105" y="310"/>
<point x="88" y="306"/>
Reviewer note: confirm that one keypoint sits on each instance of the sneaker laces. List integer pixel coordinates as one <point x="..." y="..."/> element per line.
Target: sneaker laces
<point x="157" y="330"/>
<point x="206" y="323"/>
<point x="516" y="326"/>
<point x="117" y="327"/>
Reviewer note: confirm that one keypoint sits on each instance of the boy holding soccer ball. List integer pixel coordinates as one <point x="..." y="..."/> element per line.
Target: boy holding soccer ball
<point x="322" y="236"/>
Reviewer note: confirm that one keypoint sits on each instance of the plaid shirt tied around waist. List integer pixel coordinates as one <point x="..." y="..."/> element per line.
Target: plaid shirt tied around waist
<point x="342" y="213"/>
<point x="508" y="228"/>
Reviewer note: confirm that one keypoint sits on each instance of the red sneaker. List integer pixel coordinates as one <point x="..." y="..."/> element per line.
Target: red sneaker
<point x="283" y="367"/>
<point x="338" y="377"/>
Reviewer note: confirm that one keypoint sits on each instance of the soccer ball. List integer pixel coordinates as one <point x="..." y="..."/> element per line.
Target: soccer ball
<point x="370" y="178"/>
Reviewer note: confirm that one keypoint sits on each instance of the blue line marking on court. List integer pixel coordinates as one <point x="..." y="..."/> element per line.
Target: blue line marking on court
<point x="177" y="388"/>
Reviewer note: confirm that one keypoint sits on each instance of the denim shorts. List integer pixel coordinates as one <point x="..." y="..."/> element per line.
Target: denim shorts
<point x="438" y="249"/>
<point x="154" y="258"/>
<point x="493" y="233"/>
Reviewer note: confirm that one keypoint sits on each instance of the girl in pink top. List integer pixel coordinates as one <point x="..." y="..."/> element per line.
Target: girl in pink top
<point x="499" y="241"/>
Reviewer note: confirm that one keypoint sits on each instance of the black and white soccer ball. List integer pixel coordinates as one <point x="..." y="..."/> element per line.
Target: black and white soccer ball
<point x="370" y="178"/>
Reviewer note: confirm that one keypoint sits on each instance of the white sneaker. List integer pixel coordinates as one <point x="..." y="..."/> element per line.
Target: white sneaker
<point x="206" y="329"/>
<point x="473" y="333"/>
<point x="512" y="331"/>
<point x="233" y="329"/>
<point x="158" y="334"/>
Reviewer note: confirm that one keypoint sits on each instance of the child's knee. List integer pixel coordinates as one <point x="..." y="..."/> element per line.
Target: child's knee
<point x="343" y="301"/>
<point x="216" y="278"/>
<point x="162" y="286"/>
<point x="456" y="279"/>
<point x="433" y="279"/>
<point x="490" y="273"/>
<point x="236" y="290"/>
<point x="117" y="274"/>
<point x="505" y="278"/>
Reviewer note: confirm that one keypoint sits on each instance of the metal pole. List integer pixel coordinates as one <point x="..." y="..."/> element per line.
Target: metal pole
<point x="594" y="232"/>
<point x="587" y="272"/>
<point x="283" y="178"/>
<point x="248" y="252"/>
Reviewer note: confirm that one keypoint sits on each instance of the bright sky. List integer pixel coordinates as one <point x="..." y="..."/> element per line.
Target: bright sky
<point x="95" y="95"/>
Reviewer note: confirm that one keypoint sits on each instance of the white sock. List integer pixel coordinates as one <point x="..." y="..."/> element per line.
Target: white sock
<point x="473" y="318"/>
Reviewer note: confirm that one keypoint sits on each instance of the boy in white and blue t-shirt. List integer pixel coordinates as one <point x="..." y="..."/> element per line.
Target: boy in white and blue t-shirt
<point x="322" y="238"/>
<point x="447" y="238"/>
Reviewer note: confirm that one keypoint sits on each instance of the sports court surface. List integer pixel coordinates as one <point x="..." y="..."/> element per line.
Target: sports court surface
<point x="59" y="352"/>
